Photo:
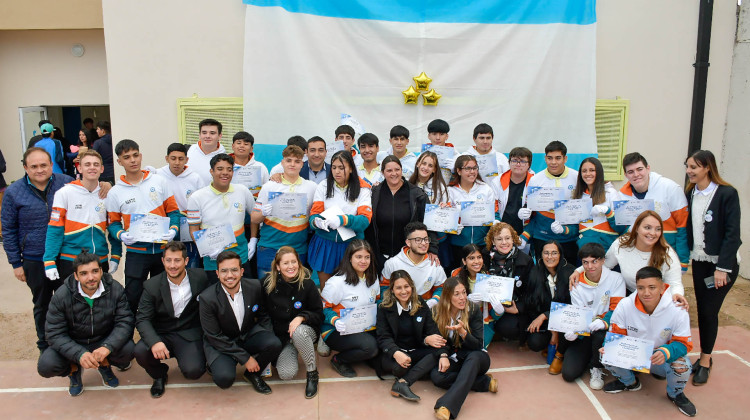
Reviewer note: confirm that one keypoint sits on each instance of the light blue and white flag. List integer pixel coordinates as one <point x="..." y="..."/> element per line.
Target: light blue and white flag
<point x="526" y="67"/>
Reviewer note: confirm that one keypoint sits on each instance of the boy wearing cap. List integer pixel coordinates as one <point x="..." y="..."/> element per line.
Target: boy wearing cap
<point x="53" y="147"/>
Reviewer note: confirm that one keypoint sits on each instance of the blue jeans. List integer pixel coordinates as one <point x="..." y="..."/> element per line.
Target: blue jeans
<point x="193" y="255"/>
<point x="677" y="373"/>
<point x="265" y="257"/>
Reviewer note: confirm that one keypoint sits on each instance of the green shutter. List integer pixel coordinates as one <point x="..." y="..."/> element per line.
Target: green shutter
<point x="191" y="111"/>
<point x="611" y="122"/>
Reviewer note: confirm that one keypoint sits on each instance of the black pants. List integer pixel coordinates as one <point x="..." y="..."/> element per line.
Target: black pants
<point x="138" y="268"/>
<point x="423" y="360"/>
<point x="42" y="290"/>
<point x="51" y="363"/>
<point x="539" y="341"/>
<point x="189" y="355"/>
<point x="508" y="327"/>
<point x="264" y="346"/>
<point x="582" y="354"/>
<point x="570" y="250"/>
<point x="460" y="378"/>
<point x="709" y="302"/>
<point x="65" y="268"/>
<point x="352" y="348"/>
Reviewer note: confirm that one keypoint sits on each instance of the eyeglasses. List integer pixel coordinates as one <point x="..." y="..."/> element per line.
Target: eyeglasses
<point x="519" y="162"/>
<point x="470" y="168"/>
<point x="550" y="254"/>
<point x="425" y="240"/>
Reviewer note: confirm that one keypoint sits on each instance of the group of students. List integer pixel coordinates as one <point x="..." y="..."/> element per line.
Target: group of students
<point x="366" y="248"/>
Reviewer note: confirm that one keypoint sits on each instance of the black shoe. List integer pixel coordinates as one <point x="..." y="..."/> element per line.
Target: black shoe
<point x="683" y="404"/>
<point x="700" y="377"/>
<point x="257" y="382"/>
<point x="76" y="384"/>
<point x="342" y="368"/>
<point x="108" y="377"/>
<point x="617" y="386"/>
<point x="401" y="389"/>
<point x="311" y="388"/>
<point x="158" y="388"/>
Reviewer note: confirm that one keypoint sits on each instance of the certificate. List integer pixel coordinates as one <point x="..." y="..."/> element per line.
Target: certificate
<point x="487" y="165"/>
<point x="445" y="155"/>
<point x="359" y="319"/>
<point x="333" y="147"/>
<point x="148" y="227"/>
<point x="573" y="212"/>
<point x="248" y="176"/>
<point x="439" y="219"/>
<point x="626" y="211"/>
<point x="543" y="198"/>
<point x="288" y="206"/>
<point x="185" y="230"/>
<point x="215" y="239"/>
<point x="345" y="232"/>
<point x="477" y="213"/>
<point x="495" y="285"/>
<point x="627" y="352"/>
<point x="569" y="318"/>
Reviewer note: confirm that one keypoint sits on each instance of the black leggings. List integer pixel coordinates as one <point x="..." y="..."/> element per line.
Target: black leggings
<point x="581" y="354"/>
<point x="352" y="348"/>
<point x="709" y="302"/>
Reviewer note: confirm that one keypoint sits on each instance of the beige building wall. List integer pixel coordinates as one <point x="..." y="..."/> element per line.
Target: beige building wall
<point x="51" y="14"/>
<point x="38" y="69"/>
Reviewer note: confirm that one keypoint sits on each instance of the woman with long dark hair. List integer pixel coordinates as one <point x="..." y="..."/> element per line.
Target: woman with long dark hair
<point x="713" y="237"/>
<point x="602" y="228"/>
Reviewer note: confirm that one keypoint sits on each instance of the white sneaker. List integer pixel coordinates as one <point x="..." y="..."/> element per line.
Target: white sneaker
<point x="597" y="379"/>
<point x="323" y="349"/>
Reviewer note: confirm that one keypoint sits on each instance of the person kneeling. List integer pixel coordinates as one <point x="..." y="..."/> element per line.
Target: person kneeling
<point x="407" y="335"/>
<point x="89" y="325"/>
<point x="651" y="315"/>
<point x="236" y="326"/>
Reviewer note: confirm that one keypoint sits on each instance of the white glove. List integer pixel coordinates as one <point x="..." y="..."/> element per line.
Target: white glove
<point x="334" y="223"/>
<point x="431" y="303"/>
<point x="524" y="213"/>
<point x="499" y="309"/>
<point x="214" y="254"/>
<point x="340" y="326"/>
<point x="523" y="243"/>
<point x="556" y="227"/>
<point x="496" y="303"/>
<point x="169" y="235"/>
<point x="608" y="187"/>
<point x="597" y="325"/>
<point x="475" y="297"/>
<point x="52" y="273"/>
<point x="266" y="209"/>
<point x="127" y="238"/>
<point x="320" y="223"/>
<point x="252" y="245"/>
<point x="495" y="222"/>
<point x="571" y="336"/>
<point x="113" y="265"/>
<point x="599" y="209"/>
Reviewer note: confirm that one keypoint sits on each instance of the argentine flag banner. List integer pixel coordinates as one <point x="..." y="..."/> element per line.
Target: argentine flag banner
<point x="526" y="67"/>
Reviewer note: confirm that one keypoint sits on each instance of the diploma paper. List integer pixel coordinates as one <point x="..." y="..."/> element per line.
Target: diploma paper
<point x="495" y="285"/>
<point x="543" y="198"/>
<point x="359" y="319"/>
<point x="477" y="213"/>
<point x="213" y="239"/>
<point x="487" y="165"/>
<point x="573" y="212"/>
<point x="248" y="176"/>
<point x="626" y="211"/>
<point x="333" y="147"/>
<point x="345" y="232"/>
<point x="627" y="352"/>
<point x="445" y="155"/>
<point x="439" y="219"/>
<point x="288" y="206"/>
<point x="148" y="227"/>
<point x="569" y="318"/>
<point x="185" y="230"/>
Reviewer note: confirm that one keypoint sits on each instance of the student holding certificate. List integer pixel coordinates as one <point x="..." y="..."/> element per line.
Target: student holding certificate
<point x="293" y="303"/>
<point x="510" y="187"/>
<point x="482" y="149"/>
<point x="407" y="335"/>
<point x="462" y="363"/>
<point x="713" y="236"/>
<point x="601" y="228"/>
<point x="345" y="192"/>
<point x="354" y="285"/>
<point x="472" y="263"/>
<point x="650" y="314"/>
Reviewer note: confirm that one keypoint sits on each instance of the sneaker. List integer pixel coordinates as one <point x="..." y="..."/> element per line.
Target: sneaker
<point x="76" y="384"/>
<point x="108" y="377"/>
<point x="597" y="379"/>
<point x="617" y="386"/>
<point x="124" y="368"/>
<point x="683" y="404"/>
<point x="323" y="349"/>
<point x="343" y="369"/>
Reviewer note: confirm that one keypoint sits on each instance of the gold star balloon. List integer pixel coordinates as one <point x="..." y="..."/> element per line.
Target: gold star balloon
<point x="431" y="98"/>
<point x="411" y="95"/>
<point x="423" y="82"/>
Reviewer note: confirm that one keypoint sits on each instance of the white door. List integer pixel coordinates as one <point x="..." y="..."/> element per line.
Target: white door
<point x="29" y="117"/>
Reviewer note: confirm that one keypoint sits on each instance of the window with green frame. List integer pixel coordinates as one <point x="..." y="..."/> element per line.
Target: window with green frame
<point x="611" y="122"/>
<point x="191" y="111"/>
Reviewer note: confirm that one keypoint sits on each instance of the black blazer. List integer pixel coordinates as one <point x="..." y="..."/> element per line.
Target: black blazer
<point x="537" y="296"/>
<point x="221" y="333"/>
<point x="156" y="310"/>
<point x="387" y="326"/>
<point x="474" y="339"/>
<point x="287" y="302"/>
<point x="722" y="234"/>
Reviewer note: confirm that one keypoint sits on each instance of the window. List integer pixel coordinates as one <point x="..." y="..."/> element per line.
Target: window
<point x="190" y="112"/>
<point x="611" y="122"/>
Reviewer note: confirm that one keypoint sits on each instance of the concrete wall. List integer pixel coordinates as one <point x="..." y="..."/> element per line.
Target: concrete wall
<point x="51" y="14"/>
<point x="38" y="69"/>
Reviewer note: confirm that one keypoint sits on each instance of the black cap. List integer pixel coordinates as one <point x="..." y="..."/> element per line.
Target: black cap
<point x="438" y="126"/>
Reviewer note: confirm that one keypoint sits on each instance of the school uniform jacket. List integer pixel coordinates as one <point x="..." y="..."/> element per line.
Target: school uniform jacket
<point x="357" y="214"/>
<point x="428" y="278"/>
<point x="387" y="326"/>
<point x="479" y="192"/>
<point x="501" y="186"/>
<point x="338" y="295"/>
<point x="539" y="224"/>
<point x="721" y="232"/>
<point x="602" y="297"/>
<point x="602" y="228"/>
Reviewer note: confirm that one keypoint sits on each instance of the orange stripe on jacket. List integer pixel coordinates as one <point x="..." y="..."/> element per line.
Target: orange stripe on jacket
<point x="617" y="330"/>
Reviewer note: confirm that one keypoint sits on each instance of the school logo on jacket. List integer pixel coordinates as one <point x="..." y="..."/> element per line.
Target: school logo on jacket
<point x="55" y="216"/>
<point x="152" y="195"/>
<point x="419" y="319"/>
<point x="665" y="333"/>
<point x="255" y="308"/>
<point x="605" y="298"/>
<point x="633" y="329"/>
<point x="239" y="207"/>
<point x="297" y="305"/>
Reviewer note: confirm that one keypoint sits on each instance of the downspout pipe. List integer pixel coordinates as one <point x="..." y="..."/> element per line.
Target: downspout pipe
<point x="705" y="17"/>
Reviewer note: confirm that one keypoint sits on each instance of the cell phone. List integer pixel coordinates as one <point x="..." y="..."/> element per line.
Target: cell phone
<point x="710" y="282"/>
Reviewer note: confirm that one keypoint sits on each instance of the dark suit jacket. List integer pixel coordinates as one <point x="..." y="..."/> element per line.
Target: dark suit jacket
<point x="156" y="310"/>
<point x="221" y="333"/>
<point x="474" y="340"/>
<point x="387" y="326"/>
<point x="722" y="234"/>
